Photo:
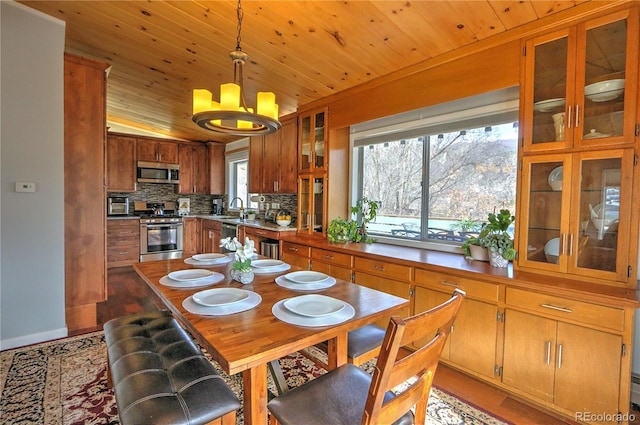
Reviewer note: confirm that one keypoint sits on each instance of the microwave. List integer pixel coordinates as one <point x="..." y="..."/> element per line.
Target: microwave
<point x="157" y="172"/>
<point x="117" y="205"/>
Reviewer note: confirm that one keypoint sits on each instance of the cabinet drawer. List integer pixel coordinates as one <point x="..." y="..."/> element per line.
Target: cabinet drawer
<point x="122" y="253"/>
<point x="330" y="257"/>
<point x="211" y="224"/>
<point x="296" y="249"/>
<point x="262" y="233"/>
<point x="565" y="308"/>
<point x="393" y="271"/>
<point x="443" y="282"/>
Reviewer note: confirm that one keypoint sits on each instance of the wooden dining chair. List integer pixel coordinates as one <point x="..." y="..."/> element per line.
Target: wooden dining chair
<point x="348" y="395"/>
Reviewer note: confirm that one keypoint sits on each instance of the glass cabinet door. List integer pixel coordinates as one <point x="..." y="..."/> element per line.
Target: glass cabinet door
<point x="602" y="219"/>
<point x="304" y="204"/>
<point x="318" y="226"/>
<point x="312" y="141"/>
<point x="604" y="80"/>
<point x="545" y="220"/>
<point x="311" y="204"/>
<point x="547" y="61"/>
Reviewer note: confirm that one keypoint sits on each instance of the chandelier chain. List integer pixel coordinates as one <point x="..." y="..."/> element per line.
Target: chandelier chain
<point x="240" y="15"/>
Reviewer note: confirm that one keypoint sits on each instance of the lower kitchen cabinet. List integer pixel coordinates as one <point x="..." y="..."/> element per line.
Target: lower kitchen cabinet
<point x="210" y="236"/>
<point x="123" y="242"/>
<point x="295" y="254"/>
<point x="471" y="346"/>
<point x="332" y="263"/>
<point x="191" y="236"/>
<point x="260" y="235"/>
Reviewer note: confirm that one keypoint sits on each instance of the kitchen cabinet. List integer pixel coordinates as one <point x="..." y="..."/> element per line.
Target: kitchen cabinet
<point x="472" y="344"/>
<point x="157" y="151"/>
<point x="555" y="356"/>
<point x="123" y="242"/>
<point x="216" y="168"/>
<point x="332" y="263"/>
<point x="211" y="235"/>
<point x="312" y="204"/>
<point x="273" y="160"/>
<point x="121" y="164"/>
<point x="580" y="85"/>
<point x="84" y="190"/>
<point x="313" y="141"/>
<point x="191" y="236"/>
<point x="576" y="215"/>
<point x="194" y="168"/>
<point x="295" y="254"/>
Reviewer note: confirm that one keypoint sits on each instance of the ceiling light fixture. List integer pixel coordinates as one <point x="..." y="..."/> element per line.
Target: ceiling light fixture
<point x="231" y="115"/>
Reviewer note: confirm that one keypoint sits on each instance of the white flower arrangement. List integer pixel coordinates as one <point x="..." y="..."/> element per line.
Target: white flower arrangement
<point x="243" y="253"/>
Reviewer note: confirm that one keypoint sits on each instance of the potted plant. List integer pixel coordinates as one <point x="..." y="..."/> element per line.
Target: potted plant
<point x="341" y="230"/>
<point x="365" y="210"/>
<point x="475" y="248"/>
<point x="495" y="238"/>
<point x="250" y="214"/>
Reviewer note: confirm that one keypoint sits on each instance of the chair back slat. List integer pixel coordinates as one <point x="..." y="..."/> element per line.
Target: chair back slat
<point x="431" y="328"/>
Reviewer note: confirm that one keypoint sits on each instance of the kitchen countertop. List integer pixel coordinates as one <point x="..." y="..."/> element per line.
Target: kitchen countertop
<point x="259" y="224"/>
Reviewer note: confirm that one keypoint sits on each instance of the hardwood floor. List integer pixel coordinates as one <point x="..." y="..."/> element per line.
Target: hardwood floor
<point x="129" y="294"/>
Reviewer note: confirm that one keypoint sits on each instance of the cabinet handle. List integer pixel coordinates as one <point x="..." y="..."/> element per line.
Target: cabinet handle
<point x="559" y="356"/>
<point x="570" y="244"/>
<point x="564" y="242"/>
<point x="292" y="249"/>
<point x="577" y="115"/>
<point x="377" y="267"/>
<point x="548" y="352"/>
<point x="329" y="257"/>
<point x="569" y="117"/>
<point x="447" y="283"/>
<point x="553" y="307"/>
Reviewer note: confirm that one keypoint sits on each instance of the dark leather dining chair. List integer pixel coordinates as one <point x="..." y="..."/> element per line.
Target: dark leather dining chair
<point x="348" y="395"/>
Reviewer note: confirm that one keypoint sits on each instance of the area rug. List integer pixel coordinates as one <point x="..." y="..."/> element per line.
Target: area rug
<point x="65" y="382"/>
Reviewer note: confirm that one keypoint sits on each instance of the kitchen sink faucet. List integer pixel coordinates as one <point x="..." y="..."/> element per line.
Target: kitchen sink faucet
<point x="241" y="206"/>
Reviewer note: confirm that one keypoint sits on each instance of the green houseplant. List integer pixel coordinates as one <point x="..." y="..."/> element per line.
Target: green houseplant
<point x="495" y="238"/>
<point x="366" y="211"/>
<point x="341" y="230"/>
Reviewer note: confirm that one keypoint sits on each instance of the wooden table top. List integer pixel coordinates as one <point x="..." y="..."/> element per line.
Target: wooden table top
<point x="248" y="339"/>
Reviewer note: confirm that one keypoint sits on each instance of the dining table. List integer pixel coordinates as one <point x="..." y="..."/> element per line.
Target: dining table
<point x="248" y="341"/>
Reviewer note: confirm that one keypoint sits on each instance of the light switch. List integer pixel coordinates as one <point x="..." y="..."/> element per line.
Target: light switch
<point x="25" y="187"/>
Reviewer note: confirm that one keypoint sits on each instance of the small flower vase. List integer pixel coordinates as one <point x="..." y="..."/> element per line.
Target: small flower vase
<point x="497" y="260"/>
<point x="243" y="276"/>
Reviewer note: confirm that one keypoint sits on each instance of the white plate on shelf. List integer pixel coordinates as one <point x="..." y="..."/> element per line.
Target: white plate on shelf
<point x="207" y="281"/>
<point x="549" y="104"/>
<point x="283" y="313"/>
<point x="248" y="303"/>
<point x="555" y="178"/>
<point x="189" y="275"/>
<point x="314" y="305"/>
<point x="306" y="276"/>
<point x="220" y="296"/>
<point x="266" y="264"/>
<point x="286" y="283"/>
<point x="267" y="270"/>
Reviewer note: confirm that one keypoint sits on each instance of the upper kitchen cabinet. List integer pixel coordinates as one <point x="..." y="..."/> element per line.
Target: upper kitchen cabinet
<point x="193" y="160"/>
<point x="580" y="85"/>
<point x="216" y="168"/>
<point x="312" y="141"/>
<point x="157" y="151"/>
<point x="576" y="215"/>
<point x="121" y="164"/>
<point x="273" y="160"/>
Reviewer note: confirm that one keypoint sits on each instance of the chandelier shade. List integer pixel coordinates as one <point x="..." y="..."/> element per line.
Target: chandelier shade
<point x="230" y="115"/>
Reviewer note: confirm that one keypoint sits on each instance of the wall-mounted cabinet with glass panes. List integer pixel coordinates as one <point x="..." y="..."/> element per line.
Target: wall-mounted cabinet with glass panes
<point x="580" y="85"/>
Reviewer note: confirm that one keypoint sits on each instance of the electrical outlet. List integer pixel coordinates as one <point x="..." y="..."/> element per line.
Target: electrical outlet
<point x="275" y="205"/>
<point x="25" y="187"/>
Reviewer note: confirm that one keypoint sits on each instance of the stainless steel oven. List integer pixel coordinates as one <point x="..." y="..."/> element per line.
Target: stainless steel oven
<point x="160" y="238"/>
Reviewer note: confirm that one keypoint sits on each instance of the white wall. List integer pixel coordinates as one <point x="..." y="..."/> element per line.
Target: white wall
<point x="31" y="150"/>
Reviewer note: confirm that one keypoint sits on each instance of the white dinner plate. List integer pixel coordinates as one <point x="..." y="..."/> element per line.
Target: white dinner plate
<point x="282" y="313"/>
<point x="549" y="104"/>
<point x="279" y="269"/>
<point x="189" y="274"/>
<point x="306" y="276"/>
<point x="266" y="264"/>
<point x="207" y="258"/>
<point x="220" y="296"/>
<point x="207" y="281"/>
<point x="226" y="259"/>
<point x="314" y="305"/>
<point x="248" y="303"/>
<point x="286" y="283"/>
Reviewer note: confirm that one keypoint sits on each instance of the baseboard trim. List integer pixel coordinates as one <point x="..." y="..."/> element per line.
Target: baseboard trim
<point x="7" y="344"/>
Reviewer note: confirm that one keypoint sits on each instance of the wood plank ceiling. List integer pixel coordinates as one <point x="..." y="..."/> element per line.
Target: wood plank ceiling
<point x="301" y="50"/>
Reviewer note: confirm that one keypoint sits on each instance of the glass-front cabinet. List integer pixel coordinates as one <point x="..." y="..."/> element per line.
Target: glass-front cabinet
<point x="580" y="84"/>
<point x="576" y="213"/>
<point x="312" y="138"/>
<point x="311" y="205"/>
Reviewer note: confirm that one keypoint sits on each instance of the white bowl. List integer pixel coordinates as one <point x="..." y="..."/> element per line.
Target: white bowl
<point x="555" y="178"/>
<point x="604" y="90"/>
<point x="283" y="222"/>
<point x="552" y="250"/>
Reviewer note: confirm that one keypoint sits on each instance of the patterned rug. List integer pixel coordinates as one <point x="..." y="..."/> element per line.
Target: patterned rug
<point x="65" y="382"/>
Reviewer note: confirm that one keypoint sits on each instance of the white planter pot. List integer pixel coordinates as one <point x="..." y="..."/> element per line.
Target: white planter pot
<point x="479" y="253"/>
<point x="497" y="260"/>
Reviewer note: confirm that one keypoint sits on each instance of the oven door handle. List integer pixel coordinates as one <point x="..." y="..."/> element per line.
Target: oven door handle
<point x="161" y="226"/>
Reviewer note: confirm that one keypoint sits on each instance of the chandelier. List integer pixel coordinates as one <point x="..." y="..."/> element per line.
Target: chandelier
<point x="231" y="115"/>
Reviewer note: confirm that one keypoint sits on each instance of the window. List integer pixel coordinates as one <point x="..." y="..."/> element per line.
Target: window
<point x="437" y="178"/>
<point x="238" y="180"/>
